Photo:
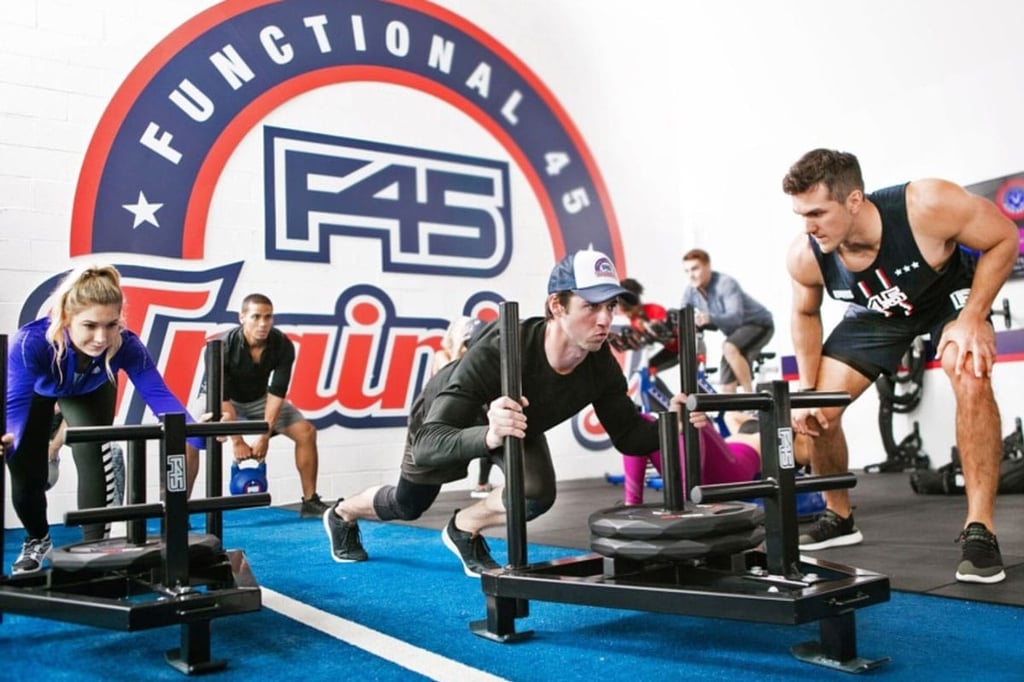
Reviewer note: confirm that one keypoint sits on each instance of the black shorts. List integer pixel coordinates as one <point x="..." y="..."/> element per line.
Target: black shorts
<point x="874" y="344"/>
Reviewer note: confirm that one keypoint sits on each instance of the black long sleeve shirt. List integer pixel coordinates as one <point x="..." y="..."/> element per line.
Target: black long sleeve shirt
<point x="455" y="424"/>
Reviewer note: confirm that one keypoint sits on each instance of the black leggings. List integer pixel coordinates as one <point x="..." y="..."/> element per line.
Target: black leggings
<point x="30" y="469"/>
<point x="407" y="501"/>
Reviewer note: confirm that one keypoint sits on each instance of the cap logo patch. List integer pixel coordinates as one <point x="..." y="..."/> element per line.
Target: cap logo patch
<point x="604" y="268"/>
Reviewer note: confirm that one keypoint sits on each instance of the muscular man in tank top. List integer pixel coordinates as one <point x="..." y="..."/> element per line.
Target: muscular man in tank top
<point x="896" y="257"/>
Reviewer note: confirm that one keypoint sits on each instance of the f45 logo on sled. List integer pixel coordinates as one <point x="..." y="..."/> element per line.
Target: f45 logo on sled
<point x="432" y="212"/>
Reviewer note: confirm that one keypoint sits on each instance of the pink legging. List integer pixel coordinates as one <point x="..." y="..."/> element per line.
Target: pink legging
<point x="720" y="462"/>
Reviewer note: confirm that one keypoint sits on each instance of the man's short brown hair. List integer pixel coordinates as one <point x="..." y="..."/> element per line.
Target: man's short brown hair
<point x="697" y="254"/>
<point x="838" y="171"/>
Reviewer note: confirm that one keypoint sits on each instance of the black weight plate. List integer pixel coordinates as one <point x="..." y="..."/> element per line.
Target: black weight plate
<point x="654" y="522"/>
<point x="678" y="550"/>
<point x="118" y="554"/>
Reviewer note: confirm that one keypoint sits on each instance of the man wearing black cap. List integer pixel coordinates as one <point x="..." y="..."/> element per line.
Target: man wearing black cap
<point x="566" y="365"/>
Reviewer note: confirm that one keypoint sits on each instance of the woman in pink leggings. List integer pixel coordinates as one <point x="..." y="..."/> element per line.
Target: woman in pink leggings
<point x="722" y="460"/>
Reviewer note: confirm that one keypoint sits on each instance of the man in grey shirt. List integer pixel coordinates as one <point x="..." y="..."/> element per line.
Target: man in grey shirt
<point x="719" y="302"/>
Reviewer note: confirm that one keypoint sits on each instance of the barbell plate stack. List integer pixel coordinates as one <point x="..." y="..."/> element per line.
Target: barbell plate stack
<point x="678" y="550"/>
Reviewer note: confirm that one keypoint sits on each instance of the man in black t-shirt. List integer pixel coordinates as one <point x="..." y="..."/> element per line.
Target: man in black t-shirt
<point x="462" y="415"/>
<point x="258" y="362"/>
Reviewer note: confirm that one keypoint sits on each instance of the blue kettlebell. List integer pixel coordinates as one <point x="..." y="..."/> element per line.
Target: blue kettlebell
<point x="248" y="476"/>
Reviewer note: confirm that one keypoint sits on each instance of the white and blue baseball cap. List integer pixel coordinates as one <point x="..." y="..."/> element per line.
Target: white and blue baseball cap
<point x="590" y="275"/>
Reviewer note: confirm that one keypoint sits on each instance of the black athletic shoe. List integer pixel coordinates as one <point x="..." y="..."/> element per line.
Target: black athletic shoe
<point x="980" y="561"/>
<point x="313" y="508"/>
<point x="831" y="530"/>
<point x="346" y="545"/>
<point x="33" y="553"/>
<point x="472" y="550"/>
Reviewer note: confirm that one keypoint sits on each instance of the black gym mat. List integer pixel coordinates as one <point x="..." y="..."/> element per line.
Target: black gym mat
<point x="909" y="537"/>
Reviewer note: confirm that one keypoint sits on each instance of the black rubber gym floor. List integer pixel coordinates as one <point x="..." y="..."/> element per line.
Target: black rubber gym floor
<point x="909" y="537"/>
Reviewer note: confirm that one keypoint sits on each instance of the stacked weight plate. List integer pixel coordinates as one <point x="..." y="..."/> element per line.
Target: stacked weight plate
<point x="652" y="533"/>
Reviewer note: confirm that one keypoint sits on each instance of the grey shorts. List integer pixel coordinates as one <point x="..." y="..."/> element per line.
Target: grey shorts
<point x="257" y="409"/>
<point x="750" y="339"/>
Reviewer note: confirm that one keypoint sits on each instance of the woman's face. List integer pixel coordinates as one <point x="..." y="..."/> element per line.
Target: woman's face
<point x="93" y="329"/>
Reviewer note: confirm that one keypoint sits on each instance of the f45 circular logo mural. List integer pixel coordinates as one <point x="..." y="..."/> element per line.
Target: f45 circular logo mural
<point x="365" y="151"/>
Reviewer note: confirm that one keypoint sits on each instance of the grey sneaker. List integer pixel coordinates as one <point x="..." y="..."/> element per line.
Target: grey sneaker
<point x="472" y="550"/>
<point x="346" y="544"/>
<point x="313" y="508"/>
<point x="831" y="530"/>
<point x="33" y="553"/>
<point x="980" y="560"/>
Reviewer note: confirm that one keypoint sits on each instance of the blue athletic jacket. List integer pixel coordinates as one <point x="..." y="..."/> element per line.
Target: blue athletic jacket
<point x="31" y="370"/>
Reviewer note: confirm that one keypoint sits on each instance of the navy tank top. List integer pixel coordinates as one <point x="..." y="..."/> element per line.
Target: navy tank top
<point x="899" y="282"/>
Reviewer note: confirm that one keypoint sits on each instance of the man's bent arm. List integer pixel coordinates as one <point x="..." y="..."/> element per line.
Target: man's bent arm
<point x="731" y="297"/>
<point x="805" y="321"/>
<point x="453" y="431"/>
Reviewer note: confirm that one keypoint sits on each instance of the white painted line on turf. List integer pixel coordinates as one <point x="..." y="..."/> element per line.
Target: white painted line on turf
<point x="396" y="651"/>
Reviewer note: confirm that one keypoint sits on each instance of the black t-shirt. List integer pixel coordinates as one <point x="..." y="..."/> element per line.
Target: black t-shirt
<point x="245" y="380"/>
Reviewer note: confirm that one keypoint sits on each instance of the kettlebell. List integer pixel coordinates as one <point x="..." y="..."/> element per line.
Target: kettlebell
<point x="248" y="476"/>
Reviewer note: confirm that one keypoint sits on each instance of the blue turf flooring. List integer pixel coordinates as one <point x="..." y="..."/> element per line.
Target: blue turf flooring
<point x="414" y="590"/>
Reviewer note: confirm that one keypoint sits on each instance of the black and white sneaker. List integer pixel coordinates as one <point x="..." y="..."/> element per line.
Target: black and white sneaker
<point x="831" y="530"/>
<point x="346" y="544"/>
<point x="980" y="560"/>
<point x="472" y="550"/>
<point x="313" y="508"/>
<point x="33" y="553"/>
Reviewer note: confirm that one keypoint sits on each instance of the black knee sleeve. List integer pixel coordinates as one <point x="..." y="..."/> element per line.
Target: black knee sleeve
<point x="390" y="506"/>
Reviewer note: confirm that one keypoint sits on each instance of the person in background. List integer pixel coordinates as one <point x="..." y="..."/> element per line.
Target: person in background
<point x="453" y="346"/>
<point x="417" y="486"/>
<point x="720" y="303"/>
<point x="258" y="361"/>
<point x="732" y="459"/>
<point x="636" y="313"/>
<point x="483" y="486"/>
<point x="71" y="357"/>
<point x="895" y="257"/>
<point x="649" y="323"/>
